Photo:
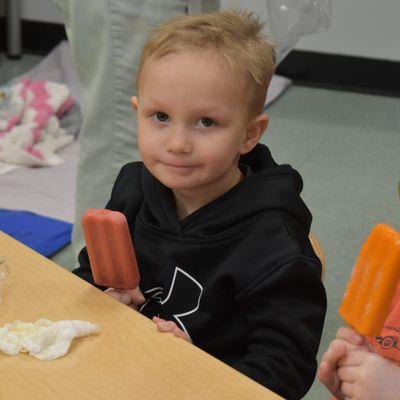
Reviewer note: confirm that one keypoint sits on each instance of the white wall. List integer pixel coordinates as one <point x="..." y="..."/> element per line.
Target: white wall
<point x="369" y="28"/>
<point x="41" y="10"/>
<point x="365" y="28"/>
<point x="37" y="10"/>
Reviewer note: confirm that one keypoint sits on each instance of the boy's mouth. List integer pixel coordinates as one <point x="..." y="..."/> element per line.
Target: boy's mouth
<point x="178" y="165"/>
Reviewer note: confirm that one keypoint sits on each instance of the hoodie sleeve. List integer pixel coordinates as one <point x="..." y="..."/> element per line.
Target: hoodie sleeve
<point x="126" y="197"/>
<point x="285" y="314"/>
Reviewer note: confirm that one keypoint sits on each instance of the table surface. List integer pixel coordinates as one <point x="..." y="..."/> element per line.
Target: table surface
<point x="129" y="359"/>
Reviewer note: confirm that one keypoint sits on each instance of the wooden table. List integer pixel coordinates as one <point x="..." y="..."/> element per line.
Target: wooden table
<point x="129" y="359"/>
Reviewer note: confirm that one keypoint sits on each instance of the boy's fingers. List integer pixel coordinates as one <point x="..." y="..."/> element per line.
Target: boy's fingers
<point x="137" y="296"/>
<point x="170" y="326"/>
<point x="337" y="350"/>
<point x="158" y="320"/>
<point x="182" y="334"/>
<point x="348" y="390"/>
<point x="348" y="374"/>
<point x="130" y="297"/>
<point x="353" y="359"/>
<point x="167" y="326"/>
<point x="179" y="332"/>
<point x="164" y="326"/>
<point x="325" y="374"/>
<point x="350" y="335"/>
<point x="329" y="378"/>
<point x="120" y="295"/>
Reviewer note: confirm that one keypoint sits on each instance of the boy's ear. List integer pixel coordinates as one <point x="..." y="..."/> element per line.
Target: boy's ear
<point x="254" y="131"/>
<point x="134" y="102"/>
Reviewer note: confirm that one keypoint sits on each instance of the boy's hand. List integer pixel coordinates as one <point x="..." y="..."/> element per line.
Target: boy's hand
<point x="369" y="376"/>
<point x="346" y="340"/>
<point x="132" y="298"/>
<point x="170" y="326"/>
<point x="328" y="368"/>
<point x="350" y="336"/>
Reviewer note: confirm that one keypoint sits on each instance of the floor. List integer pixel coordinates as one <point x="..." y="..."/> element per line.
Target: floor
<point x="9" y="69"/>
<point x="346" y="146"/>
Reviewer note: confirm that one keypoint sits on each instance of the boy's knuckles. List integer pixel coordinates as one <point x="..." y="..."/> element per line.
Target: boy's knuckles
<point x="347" y="389"/>
<point x="341" y="332"/>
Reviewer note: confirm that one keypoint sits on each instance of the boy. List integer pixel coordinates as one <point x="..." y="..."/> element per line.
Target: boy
<point x="220" y="231"/>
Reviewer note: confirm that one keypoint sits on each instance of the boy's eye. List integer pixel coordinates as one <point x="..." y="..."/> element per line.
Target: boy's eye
<point x="206" y="122"/>
<point x="160" y="116"/>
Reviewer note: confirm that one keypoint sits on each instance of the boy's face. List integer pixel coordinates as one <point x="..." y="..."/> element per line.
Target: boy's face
<point x="193" y="122"/>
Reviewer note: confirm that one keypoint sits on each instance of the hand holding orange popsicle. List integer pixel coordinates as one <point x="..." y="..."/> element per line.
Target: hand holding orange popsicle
<point x="110" y="249"/>
<point x="372" y="285"/>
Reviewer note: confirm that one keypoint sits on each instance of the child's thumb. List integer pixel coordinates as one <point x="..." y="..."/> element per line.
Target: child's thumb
<point x="120" y="295"/>
<point x="137" y="296"/>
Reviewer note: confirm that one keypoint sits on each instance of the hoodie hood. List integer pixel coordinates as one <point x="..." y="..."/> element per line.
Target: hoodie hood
<point x="268" y="187"/>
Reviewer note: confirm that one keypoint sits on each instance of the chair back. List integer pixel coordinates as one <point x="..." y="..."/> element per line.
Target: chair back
<point x="318" y="251"/>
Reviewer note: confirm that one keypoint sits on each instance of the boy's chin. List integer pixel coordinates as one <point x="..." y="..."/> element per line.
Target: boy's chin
<point x="178" y="181"/>
<point x="180" y="184"/>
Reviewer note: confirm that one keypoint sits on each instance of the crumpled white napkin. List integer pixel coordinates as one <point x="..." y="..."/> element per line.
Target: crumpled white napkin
<point x="43" y="339"/>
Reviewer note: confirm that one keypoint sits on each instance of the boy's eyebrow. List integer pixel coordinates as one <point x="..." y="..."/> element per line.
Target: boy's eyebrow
<point x="153" y="102"/>
<point x="212" y="109"/>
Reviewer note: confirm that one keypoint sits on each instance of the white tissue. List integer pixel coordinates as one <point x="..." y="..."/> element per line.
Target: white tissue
<point x="43" y="339"/>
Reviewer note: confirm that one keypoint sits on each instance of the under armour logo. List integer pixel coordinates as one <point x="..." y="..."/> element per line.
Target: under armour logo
<point x="183" y="297"/>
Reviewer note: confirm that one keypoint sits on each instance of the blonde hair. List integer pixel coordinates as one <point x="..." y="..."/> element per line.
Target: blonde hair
<point x="235" y="34"/>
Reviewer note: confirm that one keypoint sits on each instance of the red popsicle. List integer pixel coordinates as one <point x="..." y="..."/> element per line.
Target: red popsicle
<point x="110" y="249"/>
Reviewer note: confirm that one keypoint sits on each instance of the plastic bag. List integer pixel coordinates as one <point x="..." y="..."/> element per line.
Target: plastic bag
<point x="286" y="20"/>
<point x="289" y="20"/>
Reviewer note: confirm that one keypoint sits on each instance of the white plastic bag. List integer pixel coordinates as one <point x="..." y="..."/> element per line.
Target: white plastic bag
<point x="289" y="20"/>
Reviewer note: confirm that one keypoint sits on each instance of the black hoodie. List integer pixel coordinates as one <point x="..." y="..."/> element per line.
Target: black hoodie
<point x="239" y="275"/>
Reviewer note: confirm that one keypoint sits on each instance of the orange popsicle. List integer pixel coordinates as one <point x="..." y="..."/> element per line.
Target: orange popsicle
<point x="372" y="285"/>
<point x="110" y="249"/>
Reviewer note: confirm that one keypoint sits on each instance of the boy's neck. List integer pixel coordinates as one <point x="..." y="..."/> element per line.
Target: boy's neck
<point x="189" y="201"/>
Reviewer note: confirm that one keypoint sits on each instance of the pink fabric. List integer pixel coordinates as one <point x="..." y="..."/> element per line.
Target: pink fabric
<point x="14" y="120"/>
<point x="14" y="115"/>
<point x="33" y="104"/>
<point x="40" y="105"/>
<point x="65" y="106"/>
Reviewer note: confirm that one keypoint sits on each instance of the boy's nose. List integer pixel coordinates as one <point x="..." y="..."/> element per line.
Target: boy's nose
<point x="178" y="141"/>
